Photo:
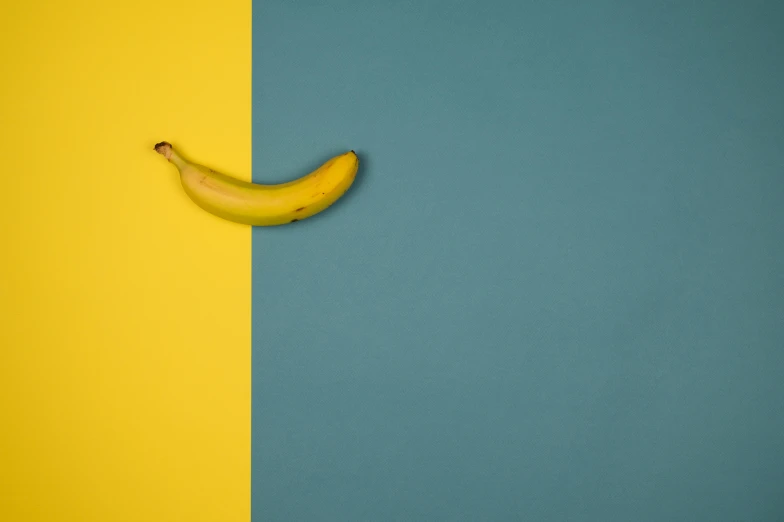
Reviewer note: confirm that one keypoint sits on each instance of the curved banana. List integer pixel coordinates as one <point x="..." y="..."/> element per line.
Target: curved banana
<point x="264" y="205"/>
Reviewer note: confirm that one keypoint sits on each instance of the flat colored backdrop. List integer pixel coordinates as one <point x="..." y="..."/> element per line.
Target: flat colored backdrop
<point x="124" y="309"/>
<point x="556" y="291"/>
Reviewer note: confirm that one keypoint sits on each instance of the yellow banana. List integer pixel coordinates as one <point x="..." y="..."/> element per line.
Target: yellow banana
<point x="264" y="205"/>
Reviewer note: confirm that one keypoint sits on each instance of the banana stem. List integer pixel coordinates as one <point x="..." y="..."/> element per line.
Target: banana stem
<point x="165" y="148"/>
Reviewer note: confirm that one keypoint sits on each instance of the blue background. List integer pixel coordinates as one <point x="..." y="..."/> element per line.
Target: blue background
<point x="555" y="291"/>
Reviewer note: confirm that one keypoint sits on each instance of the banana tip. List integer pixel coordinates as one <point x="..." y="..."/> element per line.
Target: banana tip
<point x="164" y="148"/>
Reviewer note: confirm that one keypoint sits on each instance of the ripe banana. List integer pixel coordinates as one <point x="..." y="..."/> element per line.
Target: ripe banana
<point x="264" y="205"/>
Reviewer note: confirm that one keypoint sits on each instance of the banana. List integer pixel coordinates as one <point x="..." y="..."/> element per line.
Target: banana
<point x="264" y="205"/>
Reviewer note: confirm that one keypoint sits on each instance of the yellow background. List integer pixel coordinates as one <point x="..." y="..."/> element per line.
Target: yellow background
<point x="125" y="335"/>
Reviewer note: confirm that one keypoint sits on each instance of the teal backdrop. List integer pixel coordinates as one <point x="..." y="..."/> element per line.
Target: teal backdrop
<point x="556" y="291"/>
